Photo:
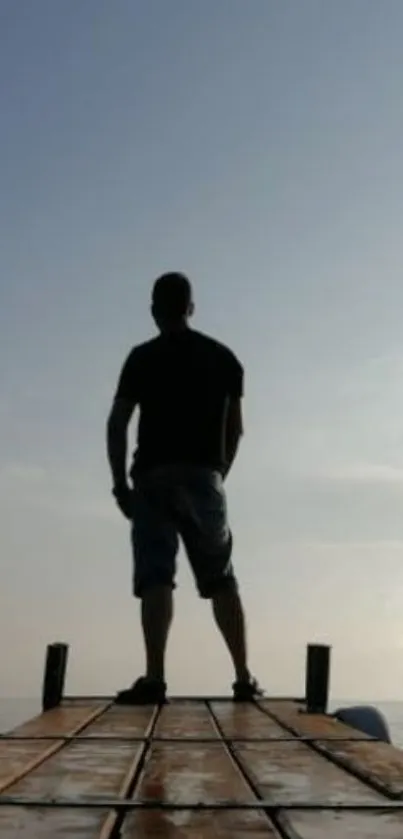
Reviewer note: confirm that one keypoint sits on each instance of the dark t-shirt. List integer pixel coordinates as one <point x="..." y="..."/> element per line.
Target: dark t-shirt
<point x="182" y="383"/>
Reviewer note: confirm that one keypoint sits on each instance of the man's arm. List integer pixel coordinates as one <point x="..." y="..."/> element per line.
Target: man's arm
<point x="233" y="432"/>
<point x="234" y="423"/>
<point x="124" y="403"/>
<point x="117" y="425"/>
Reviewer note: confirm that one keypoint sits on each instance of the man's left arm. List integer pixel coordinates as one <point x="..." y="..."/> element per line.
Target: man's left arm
<point x="117" y="426"/>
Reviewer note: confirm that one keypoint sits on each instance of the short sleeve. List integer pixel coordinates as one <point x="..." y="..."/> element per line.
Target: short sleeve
<point x="128" y="383"/>
<point x="235" y="378"/>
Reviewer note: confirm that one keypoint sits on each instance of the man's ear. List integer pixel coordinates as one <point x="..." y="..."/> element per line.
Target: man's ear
<point x="191" y="309"/>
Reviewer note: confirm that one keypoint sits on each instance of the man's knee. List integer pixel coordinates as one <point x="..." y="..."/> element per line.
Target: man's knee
<point x="145" y="586"/>
<point x="211" y="589"/>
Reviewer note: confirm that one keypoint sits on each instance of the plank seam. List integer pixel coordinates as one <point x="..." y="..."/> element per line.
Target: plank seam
<point x="188" y="699"/>
<point x="276" y="819"/>
<point x="112" y="738"/>
<point x="114" y="821"/>
<point x="262" y="804"/>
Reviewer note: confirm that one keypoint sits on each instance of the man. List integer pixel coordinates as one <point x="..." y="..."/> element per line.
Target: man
<point x="188" y="388"/>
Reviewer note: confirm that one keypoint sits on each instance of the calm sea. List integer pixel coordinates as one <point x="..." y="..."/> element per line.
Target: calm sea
<point x="16" y="711"/>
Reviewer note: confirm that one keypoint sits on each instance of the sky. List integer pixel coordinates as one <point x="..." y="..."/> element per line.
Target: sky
<point x="256" y="147"/>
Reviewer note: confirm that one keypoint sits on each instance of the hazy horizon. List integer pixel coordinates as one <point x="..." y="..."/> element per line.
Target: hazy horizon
<point x="257" y="147"/>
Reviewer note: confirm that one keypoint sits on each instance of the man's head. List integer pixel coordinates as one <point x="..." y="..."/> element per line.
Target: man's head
<point x="172" y="303"/>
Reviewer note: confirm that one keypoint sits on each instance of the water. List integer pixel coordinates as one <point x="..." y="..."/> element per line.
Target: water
<point x="16" y="711"/>
<point x="13" y="712"/>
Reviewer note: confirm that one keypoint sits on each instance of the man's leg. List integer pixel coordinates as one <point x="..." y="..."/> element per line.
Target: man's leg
<point x="155" y="544"/>
<point x="156" y="616"/>
<point x="230" y="619"/>
<point x="208" y="542"/>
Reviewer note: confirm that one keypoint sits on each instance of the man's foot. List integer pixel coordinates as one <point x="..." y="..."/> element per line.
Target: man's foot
<point x="247" y="691"/>
<point x="143" y="692"/>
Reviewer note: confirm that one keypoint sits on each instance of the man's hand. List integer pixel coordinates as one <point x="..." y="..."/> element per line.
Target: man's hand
<point x="224" y="472"/>
<point x="118" y="421"/>
<point x="124" y="498"/>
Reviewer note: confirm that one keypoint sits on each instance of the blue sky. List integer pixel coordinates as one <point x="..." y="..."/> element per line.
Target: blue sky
<point x="257" y="147"/>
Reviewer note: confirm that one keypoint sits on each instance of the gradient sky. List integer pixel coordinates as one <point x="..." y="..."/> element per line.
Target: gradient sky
<point x="256" y="146"/>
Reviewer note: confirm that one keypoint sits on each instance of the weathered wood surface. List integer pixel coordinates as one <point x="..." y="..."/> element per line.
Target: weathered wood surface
<point x="379" y="762"/>
<point x="19" y="757"/>
<point x="323" y="825"/>
<point x="97" y="764"/>
<point x="29" y="823"/>
<point x="244" y="721"/>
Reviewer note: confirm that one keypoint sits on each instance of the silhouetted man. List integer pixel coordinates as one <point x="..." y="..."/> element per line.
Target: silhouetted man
<point x="189" y="389"/>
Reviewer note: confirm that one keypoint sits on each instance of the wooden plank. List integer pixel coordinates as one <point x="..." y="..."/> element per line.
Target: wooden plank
<point x="240" y="721"/>
<point x="327" y="825"/>
<point x="378" y="761"/>
<point x="59" y="722"/>
<point x="15" y="755"/>
<point x="310" y="725"/>
<point x="110" y="825"/>
<point x="87" y="769"/>
<point x="183" y="773"/>
<point x="293" y="772"/>
<point x="34" y="823"/>
<point x="185" y="719"/>
<point x="19" y="757"/>
<point x="186" y="773"/>
<point x="95" y="769"/>
<point x="80" y="701"/>
<point x="188" y="824"/>
<point x="120" y="721"/>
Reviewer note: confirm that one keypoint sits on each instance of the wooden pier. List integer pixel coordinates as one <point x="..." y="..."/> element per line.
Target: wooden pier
<point x="196" y="768"/>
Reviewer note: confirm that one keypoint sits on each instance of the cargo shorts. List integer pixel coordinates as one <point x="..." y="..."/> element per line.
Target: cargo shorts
<point x="181" y="502"/>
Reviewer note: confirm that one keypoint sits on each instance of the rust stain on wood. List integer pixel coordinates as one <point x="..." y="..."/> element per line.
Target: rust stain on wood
<point x="183" y="773"/>
<point x="187" y="719"/>
<point x="189" y="824"/>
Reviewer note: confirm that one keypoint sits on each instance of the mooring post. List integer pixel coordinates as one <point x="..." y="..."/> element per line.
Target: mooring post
<point x="317" y="678"/>
<point x="54" y="675"/>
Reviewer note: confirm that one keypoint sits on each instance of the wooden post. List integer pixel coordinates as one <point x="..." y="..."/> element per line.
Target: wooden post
<point x="317" y="678"/>
<point x="54" y="675"/>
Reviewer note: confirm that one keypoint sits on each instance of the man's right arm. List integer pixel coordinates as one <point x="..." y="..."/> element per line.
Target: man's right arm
<point x="234" y="421"/>
<point x="124" y="403"/>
